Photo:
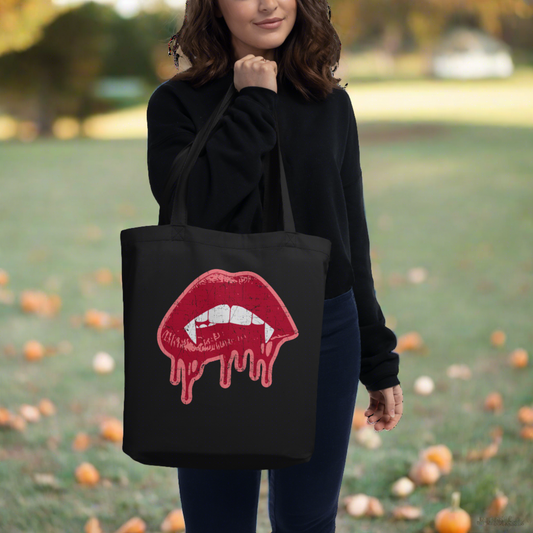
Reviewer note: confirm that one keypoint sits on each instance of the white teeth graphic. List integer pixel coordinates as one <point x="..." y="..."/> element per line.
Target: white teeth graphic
<point x="240" y="315"/>
<point x="222" y="314"/>
<point x="217" y="315"/>
<point x="268" y="332"/>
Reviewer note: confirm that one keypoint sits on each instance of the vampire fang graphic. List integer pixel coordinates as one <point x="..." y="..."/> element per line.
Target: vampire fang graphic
<point x="226" y="316"/>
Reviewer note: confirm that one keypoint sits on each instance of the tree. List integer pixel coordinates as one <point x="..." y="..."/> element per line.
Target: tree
<point x="55" y="75"/>
<point x="21" y="22"/>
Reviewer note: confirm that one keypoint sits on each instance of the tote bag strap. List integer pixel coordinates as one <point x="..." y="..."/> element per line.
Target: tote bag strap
<point x="198" y="141"/>
<point x="274" y="177"/>
<point x="277" y="213"/>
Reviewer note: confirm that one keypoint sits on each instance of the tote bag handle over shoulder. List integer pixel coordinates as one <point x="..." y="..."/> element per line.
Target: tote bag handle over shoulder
<point x="274" y="177"/>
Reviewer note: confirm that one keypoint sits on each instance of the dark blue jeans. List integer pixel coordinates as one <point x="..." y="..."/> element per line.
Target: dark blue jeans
<point x="302" y="498"/>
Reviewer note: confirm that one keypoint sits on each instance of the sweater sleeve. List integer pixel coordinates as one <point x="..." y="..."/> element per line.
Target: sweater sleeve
<point x="222" y="189"/>
<point x="379" y="364"/>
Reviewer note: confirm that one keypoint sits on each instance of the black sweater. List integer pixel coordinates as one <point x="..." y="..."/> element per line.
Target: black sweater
<point x="320" y="150"/>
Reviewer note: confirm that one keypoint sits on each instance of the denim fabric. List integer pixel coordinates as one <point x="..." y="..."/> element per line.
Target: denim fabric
<point x="302" y="498"/>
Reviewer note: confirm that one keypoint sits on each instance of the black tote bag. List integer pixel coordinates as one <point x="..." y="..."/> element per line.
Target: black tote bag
<point x="222" y="331"/>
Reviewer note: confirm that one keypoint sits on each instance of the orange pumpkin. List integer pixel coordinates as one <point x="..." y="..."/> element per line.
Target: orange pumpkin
<point x="33" y="350"/>
<point x="406" y="512"/>
<point x="17" y="422"/>
<point x="409" y="341"/>
<point x="498" y="504"/>
<point x="424" y="472"/>
<point x="527" y="432"/>
<point x="81" y="441"/>
<point x="39" y="302"/>
<point x="4" y="277"/>
<point x="374" y="507"/>
<point x="494" y="402"/>
<point x="441" y="455"/>
<point x="104" y="276"/>
<point x="31" y="301"/>
<point x="525" y="414"/>
<point x="174" y="521"/>
<point x="46" y="407"/>
<point x="93" y="318"/>
<point x="111" y="429"/>
<point x="93" y="526"/>
<point x="133" y="525"/>
<point x="359" y="418"/>
<point x="453" y="519"/>
<point x="518" y="358"/>
<point x="5" y="416"/>
<point x="497" y="338"/>
<point x="87" y="474"/>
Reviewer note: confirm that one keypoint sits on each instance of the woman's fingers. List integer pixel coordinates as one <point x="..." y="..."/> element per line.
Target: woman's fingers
<point x="385" y="413"/>
<point x="377" y="414"/>
<point x="372" y="406"/>
<point x="386" y="421"/>
<point x="385" y="408"/>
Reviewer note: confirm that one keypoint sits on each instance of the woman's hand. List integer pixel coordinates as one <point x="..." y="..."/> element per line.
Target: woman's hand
<point x="255" y="71"/>
<point x="385" y="408"/>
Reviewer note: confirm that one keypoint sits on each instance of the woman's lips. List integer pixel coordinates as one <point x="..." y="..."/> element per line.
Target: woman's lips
<point x="270" y="25"/>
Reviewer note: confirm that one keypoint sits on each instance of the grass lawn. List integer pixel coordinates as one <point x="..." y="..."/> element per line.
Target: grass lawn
<point x="453" y="196"/>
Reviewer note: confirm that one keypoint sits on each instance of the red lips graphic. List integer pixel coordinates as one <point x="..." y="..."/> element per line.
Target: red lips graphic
<point x="226" y="316"/>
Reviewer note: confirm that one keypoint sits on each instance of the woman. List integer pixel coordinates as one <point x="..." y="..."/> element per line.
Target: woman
<point x="283" y="69"/>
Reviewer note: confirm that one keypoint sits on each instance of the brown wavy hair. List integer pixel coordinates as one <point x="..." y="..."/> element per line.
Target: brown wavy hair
<point x="307" y="58"/>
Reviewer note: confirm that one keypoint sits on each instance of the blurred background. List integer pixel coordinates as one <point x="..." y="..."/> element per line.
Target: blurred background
<point x="443" y="95"/>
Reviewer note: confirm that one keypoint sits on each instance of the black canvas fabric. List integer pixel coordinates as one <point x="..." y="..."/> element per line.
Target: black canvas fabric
<point x="222" y="331"/>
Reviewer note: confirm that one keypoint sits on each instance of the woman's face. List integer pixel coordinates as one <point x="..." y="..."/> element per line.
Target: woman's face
<point x="247" y="37"/>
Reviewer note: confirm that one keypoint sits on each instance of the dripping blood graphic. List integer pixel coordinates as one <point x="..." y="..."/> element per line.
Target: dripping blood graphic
<point x="229" y="317"/>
